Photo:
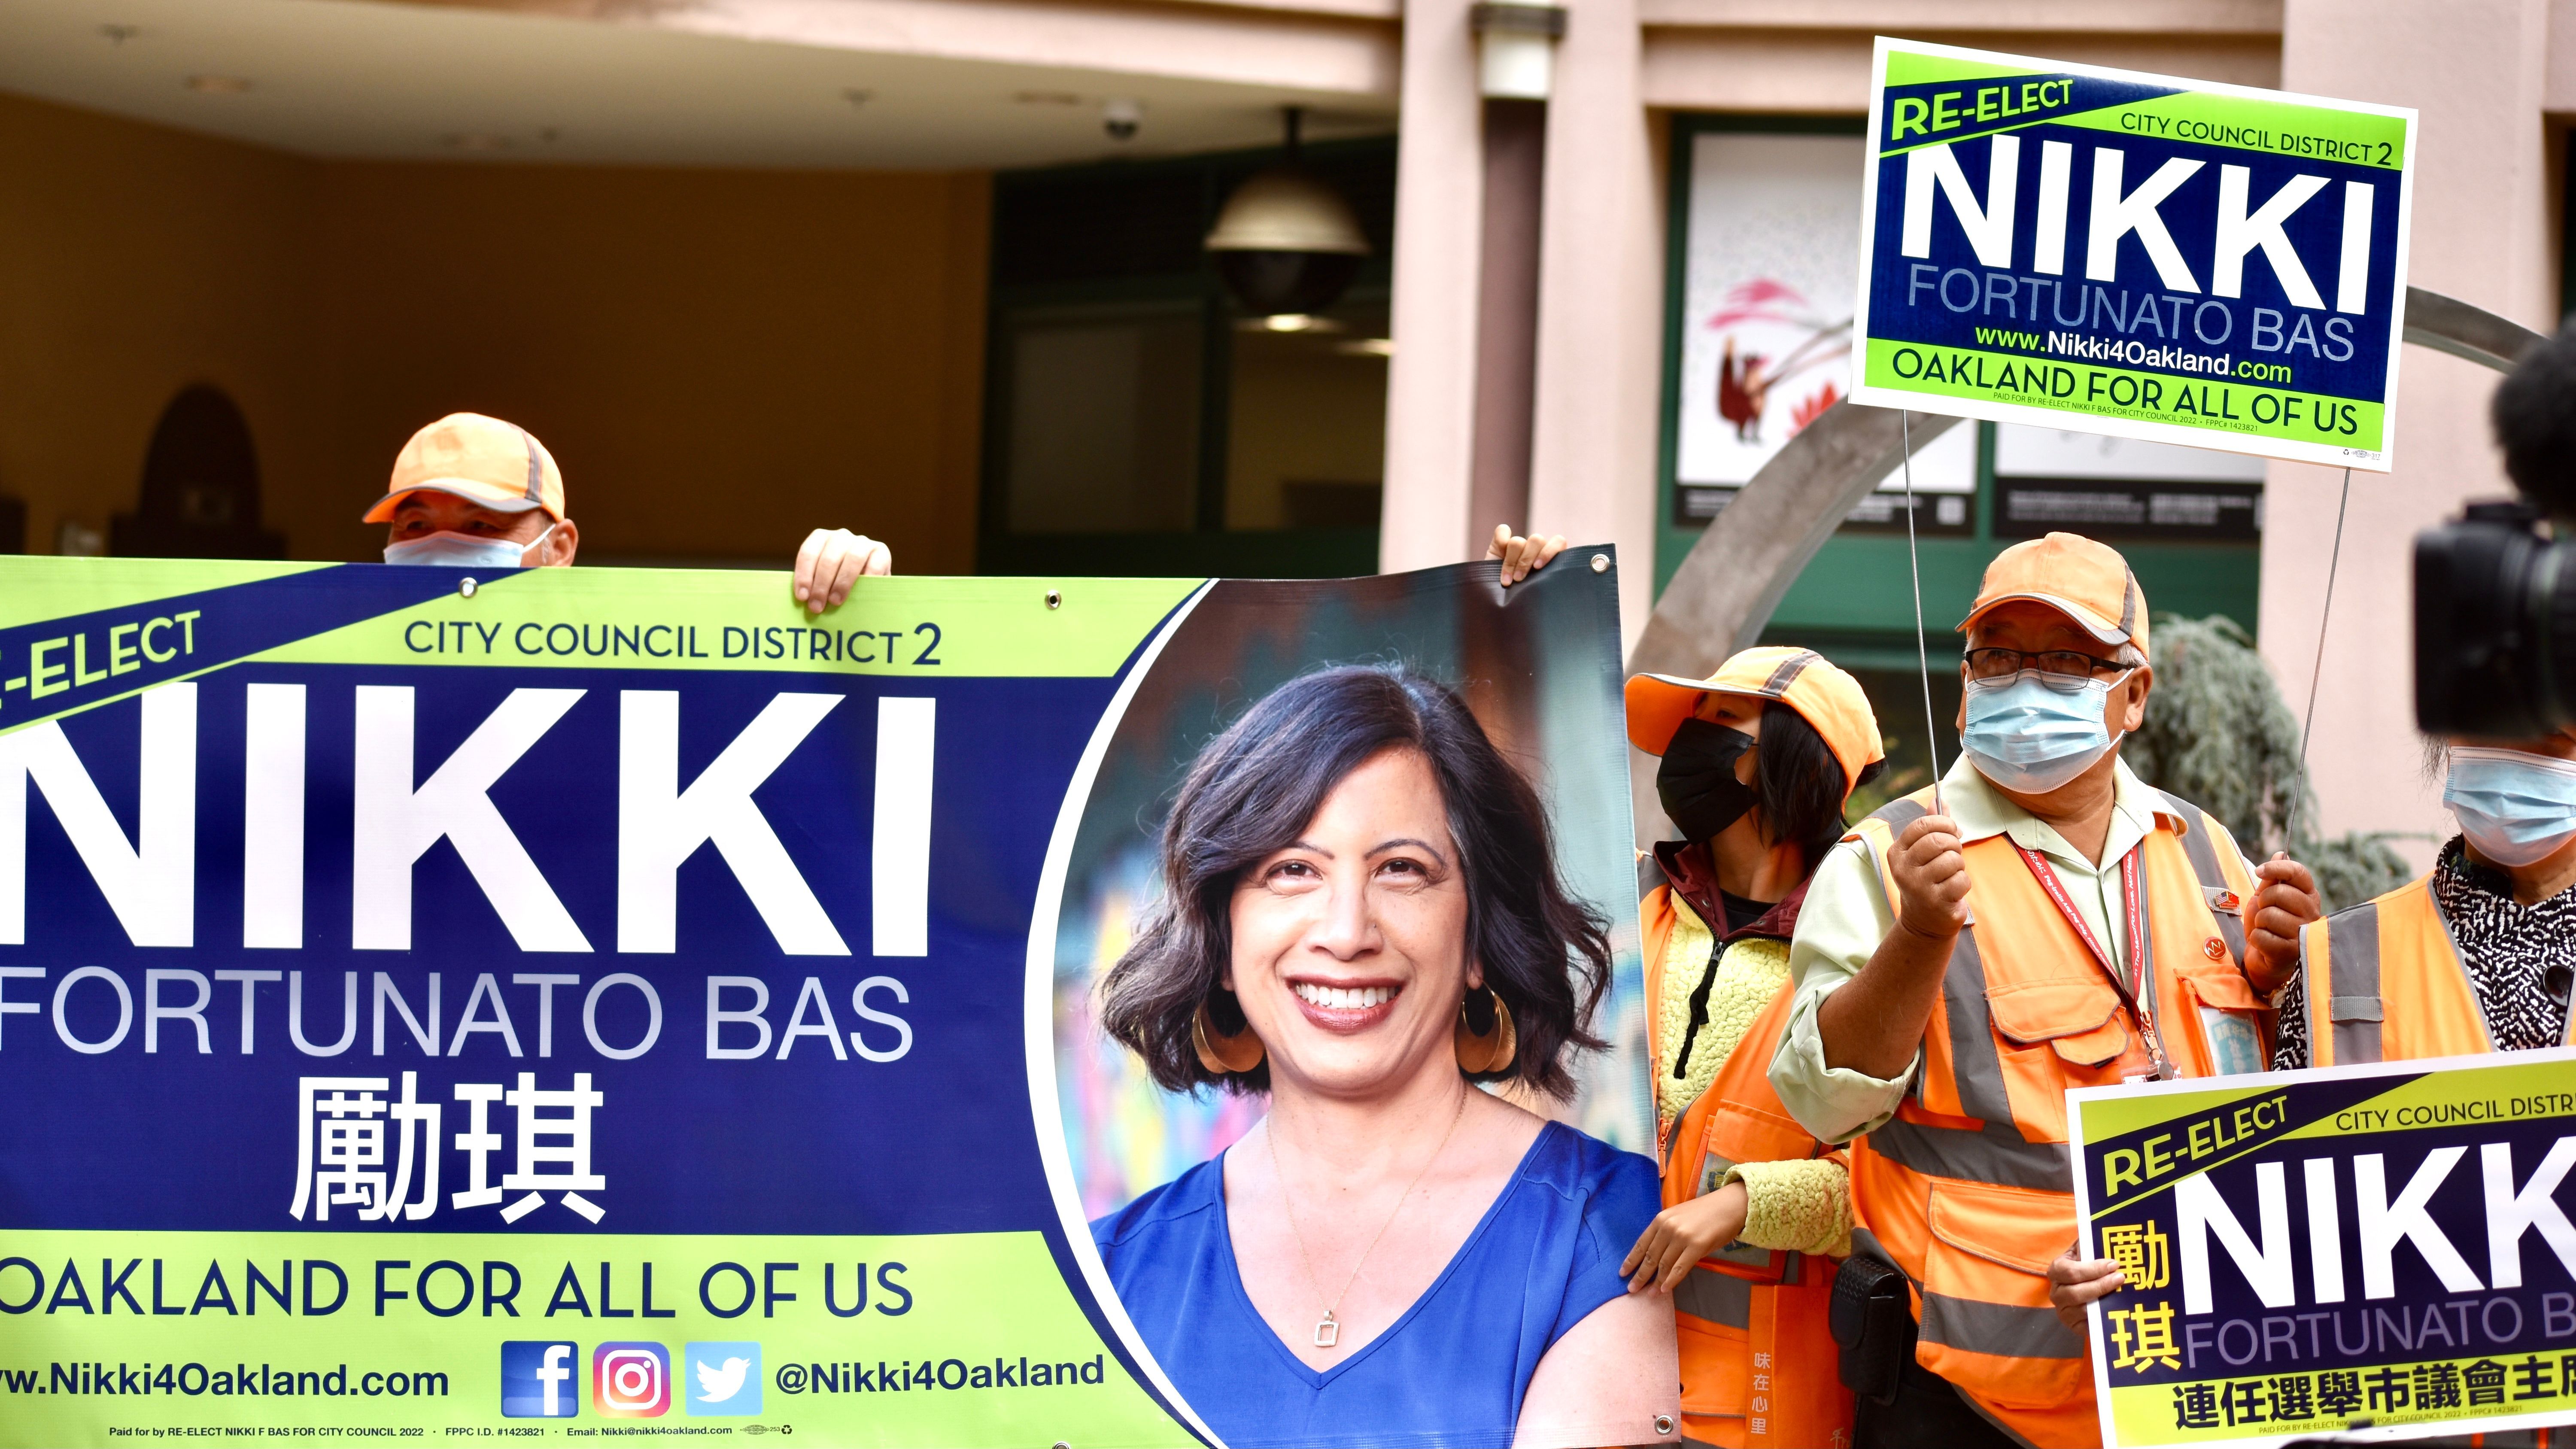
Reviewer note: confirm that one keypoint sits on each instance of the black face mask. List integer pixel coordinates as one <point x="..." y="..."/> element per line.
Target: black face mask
<point x="1697" y="783"/>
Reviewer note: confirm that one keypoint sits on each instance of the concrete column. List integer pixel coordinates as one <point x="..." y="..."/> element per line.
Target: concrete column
<point x="1507" y="316"/>
<point x="1431" y="381"/>
<point x="1600" y="319"/>
<point x="2475" y="70"/>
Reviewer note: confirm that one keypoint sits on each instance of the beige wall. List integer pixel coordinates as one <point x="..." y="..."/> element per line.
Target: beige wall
<point x="1827" y="72"/>
<point x="1622" y="67"/>
<point x="718" y="360"/>
<point x="1600" y="310"/>
<point x="1439" y="210"/>
<point x="134" y="261"/>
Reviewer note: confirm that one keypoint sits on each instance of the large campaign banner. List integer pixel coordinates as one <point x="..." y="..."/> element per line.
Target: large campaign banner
<point x="563" y="1002"/>
<point x="2344" y="1249"/>
<point x="2146" y="256"/>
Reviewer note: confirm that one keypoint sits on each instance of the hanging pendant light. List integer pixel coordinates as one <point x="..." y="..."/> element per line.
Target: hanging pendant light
<point x="1286" y="243"/>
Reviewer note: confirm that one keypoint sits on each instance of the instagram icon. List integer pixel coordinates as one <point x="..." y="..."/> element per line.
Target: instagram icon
<point x="631" y="1380"/>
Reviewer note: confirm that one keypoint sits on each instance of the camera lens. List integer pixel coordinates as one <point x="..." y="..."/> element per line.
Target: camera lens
<point x="2495" y="626"/>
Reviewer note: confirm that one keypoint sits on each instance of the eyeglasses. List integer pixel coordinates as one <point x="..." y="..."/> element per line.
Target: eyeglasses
<point x="2070" y="663"/>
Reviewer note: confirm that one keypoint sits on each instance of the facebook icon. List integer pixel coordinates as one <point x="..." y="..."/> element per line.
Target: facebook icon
<point x="536" y="1381"/>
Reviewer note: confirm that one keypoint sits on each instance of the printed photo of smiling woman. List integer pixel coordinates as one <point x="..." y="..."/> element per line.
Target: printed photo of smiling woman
<point x="1362" y="917"/>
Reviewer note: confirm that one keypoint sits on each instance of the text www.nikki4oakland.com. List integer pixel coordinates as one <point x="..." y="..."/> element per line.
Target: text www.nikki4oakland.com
<point x="193" y="1380"/>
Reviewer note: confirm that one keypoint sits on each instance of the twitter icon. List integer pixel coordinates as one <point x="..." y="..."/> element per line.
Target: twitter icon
<point x="724" y="1378"/>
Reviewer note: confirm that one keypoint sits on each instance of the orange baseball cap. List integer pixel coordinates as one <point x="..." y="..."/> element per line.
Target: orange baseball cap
<point x="499" y="465"/>
<point x="1806" y="681"/>
<point x="2086" y="581"/>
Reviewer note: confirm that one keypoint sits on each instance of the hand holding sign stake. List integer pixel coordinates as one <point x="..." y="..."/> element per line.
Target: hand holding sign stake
<point x="2149" y="257"/>
<point x="2196" y="316"/>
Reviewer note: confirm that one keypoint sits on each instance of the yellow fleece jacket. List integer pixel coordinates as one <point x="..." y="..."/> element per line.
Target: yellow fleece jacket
<point x="1802" y="1206"/>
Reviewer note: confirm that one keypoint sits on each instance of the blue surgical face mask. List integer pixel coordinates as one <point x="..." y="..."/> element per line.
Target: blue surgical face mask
<point x="463" y="550"/>
<point x="2515" y="808"/>
<point x="2032" y="732"/>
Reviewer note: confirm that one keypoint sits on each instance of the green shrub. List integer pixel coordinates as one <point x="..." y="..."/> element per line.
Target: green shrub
<point x="2218" y="734"/>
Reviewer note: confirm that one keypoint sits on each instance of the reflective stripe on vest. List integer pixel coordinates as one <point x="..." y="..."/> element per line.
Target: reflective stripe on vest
<point x="2384" y="983"/>
<point x="1758" y="1364"/>
<point x="1970" y="1197"/>
<point x="1992" y="1153"/>
<point x="2353" y="1008"/>
<point x="2201" y="845"/>
<point x="1998" y="1328"/>
<point x="1717" y="1297"/>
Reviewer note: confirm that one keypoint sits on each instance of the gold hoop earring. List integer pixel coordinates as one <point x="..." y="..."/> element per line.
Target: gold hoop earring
<point x="1484" y="1052"/>
<point x="1221" y="1054"/>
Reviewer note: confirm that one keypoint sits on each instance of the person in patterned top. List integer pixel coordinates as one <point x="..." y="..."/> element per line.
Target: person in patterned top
<point x="2478" y="955"/>
<point x="2499" y="897"/>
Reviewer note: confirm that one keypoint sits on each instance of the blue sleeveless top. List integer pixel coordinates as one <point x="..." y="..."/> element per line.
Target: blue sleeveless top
<point x="1450" y="1373"/>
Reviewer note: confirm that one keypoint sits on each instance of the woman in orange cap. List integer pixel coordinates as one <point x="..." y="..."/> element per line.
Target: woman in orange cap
<point x="1758" y="764"/>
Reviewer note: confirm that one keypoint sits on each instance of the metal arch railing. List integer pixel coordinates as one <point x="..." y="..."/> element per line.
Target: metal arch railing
<point x="2447" y="324"/>
<point x="1724" y="592"/>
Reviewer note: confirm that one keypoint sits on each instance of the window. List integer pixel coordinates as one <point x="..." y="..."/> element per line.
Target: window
<point x="1306" y="421"/>
<point x="1104" y="419"/>
<point x="1133" y="410"/>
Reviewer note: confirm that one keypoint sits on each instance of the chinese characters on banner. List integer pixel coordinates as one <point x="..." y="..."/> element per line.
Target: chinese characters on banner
<point x="424" y="1005"/>
<point x="2306" y="1251"/>
<point x="341" y="1149"/>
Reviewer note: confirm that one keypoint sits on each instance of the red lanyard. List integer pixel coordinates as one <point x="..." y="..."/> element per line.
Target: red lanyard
<point x="2137" y="988"/>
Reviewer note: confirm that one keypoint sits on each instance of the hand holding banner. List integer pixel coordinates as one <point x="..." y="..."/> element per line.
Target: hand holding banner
<point x="432" y="1003"/>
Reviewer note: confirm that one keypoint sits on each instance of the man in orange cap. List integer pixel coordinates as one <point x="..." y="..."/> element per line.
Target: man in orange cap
<point x="2117" y="935"/>
<point x="478" y="492"/>
<point x="1758" y="764"/>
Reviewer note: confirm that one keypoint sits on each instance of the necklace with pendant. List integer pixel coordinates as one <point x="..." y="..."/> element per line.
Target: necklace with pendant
<point x="1328" y="1329"/>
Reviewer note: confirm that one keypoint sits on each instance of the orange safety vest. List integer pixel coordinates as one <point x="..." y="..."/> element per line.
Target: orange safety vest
<point x="1968" y="1190"/>
<point x="1758" y="1362"/>
<point x="2384" y="984"/>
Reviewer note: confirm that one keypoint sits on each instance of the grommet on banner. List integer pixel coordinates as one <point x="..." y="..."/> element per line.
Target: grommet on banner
<point x="1663" y="1425"/>
<point x="1601" y="563"/>
<point x="1054" y="599"/>
<point x="465" y="588"/>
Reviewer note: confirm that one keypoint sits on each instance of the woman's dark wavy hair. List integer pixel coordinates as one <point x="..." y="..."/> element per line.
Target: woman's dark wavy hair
<point x="1252" y="791"/>
<point x="1800" y="784"/>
